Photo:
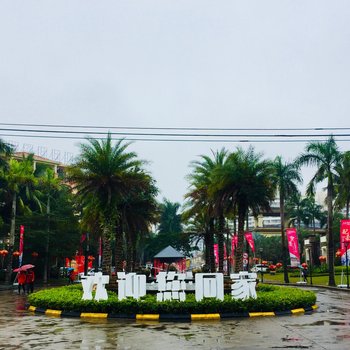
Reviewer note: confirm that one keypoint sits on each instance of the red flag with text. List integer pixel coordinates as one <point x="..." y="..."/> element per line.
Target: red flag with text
<point x="293" y="246"/>
<point x="344" y="240"/>
<point x="249" y="238"/>
<point x="21" y="244"/>
<point x="216" y="252"/>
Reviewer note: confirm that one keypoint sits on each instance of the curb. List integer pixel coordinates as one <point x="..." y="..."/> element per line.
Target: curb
<point x="169" y="317"/>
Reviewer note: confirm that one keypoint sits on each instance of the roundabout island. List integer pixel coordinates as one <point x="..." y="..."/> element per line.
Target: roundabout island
<point x="271" y="300"/>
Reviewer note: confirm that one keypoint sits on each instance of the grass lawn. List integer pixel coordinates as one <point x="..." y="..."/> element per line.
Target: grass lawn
<point x="317" y="280"/>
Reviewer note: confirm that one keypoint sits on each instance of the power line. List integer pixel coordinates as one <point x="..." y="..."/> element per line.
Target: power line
<point x="172" y="134"/>
<point x="173" y="128"/>
<point x="177" y="140"/>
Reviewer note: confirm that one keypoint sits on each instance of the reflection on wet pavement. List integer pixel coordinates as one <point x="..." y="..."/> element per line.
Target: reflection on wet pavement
<point x="328" y="328"/>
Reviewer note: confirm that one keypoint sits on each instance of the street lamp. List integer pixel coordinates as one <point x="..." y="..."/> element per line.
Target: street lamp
<point x="261" y="268"/>
<point x="346" y="244"/>
<point x="310" y="257"/>
<point x="312" y="241"/>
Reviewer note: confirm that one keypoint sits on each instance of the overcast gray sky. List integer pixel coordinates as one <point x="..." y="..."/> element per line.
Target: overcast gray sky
<point x="176" y="63"/>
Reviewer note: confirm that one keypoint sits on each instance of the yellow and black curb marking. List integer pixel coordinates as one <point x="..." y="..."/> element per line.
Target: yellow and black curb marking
<point x="169" y="317"/>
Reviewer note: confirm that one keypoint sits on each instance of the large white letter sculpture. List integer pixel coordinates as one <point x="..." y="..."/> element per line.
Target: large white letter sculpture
<point x="244" y="285"/>
<point x="88" y="283"/>
<point x="131" y="285"/>
<point x="171" y="286"/>
<point x="209" y="285"/>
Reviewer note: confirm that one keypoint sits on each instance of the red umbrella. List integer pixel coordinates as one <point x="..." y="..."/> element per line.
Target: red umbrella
<point x="24" y="268"/>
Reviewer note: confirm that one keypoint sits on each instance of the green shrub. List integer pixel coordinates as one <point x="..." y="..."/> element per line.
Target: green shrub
<point x="270" y="298"/>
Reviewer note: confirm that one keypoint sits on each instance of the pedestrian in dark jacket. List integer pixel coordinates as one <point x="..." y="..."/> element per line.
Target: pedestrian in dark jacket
<point x="30" y="281"/>
<point x="304" y="273"/>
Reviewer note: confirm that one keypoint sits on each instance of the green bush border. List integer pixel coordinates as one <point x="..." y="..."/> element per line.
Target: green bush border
<point x="270" y="299"/>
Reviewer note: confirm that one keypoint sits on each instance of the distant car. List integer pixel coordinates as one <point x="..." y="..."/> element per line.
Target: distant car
<point x="260" y="268"/>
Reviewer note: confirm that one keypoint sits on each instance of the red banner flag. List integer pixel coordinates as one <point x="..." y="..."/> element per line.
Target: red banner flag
<point x="344" y="240"/>
<point x="216" y="253"/>
<point x="293" y="246"/>
<point x="21" y="244"/>
<point x="21" y="237"/>
<point x="249" y="238"/>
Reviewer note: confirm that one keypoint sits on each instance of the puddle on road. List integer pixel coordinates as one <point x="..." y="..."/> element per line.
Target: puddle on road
<point x="329" y="323"/>
<point x="322" y="329"/>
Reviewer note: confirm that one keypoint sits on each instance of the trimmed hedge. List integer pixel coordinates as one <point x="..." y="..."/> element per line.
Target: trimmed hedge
<point x="270" y="298"/>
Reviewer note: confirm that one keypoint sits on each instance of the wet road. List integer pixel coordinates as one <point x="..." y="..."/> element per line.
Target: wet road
<point x="327" y="328"/>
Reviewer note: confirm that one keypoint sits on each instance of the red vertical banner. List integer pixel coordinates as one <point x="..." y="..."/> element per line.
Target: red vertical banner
<point x="21" y="244"/>
<point x="249" y="238"/>
<point x="293" y="246"/>
<point x="80" y="260"/>
<point x="234" y="244"/>
<point x="344" y="240"/>
<point x="216" y="253"/>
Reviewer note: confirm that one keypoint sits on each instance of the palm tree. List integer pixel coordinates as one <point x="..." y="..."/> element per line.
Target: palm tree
<point x="296" y="210"/>
<point x="19" y="178"/>
<point x="49" y="185"/>
<point x="6" y="151"/>
<point x="313" y="212"/>
<point x="285" y="179"/>
<point x="139" y="211"/>
<point x="326" y="156"/>
<point x="170" y="219"/>
<point x="101" y="177"/>
<point x="342" y="185"/>
<point x="203" y="200"/>
<point x="245" y="182"/>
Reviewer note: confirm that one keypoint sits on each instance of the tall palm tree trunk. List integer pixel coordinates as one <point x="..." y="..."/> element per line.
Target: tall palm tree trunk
<point x="228" y="250"/>
<point x="331" y="280"/>
<point x="129" y="252"/>
<point x="240" y="240"/>
<point x="220" y="235"/>
<point x="133" y="256"/>
<point x="211" y="246"/>
<point x="12" y="239"/>
<point x="119" y="246"/>
<point x="284" y="243"/>
<point x="47" y="245"/>
<point x="207" y="246"/>
<point x="106" y="251"/>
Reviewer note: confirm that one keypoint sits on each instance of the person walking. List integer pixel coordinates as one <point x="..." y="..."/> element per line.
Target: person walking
<point x="21" y="279"/>
<point x="30" y="281"/>
<point x="304" y="273"/>
<point x="71" y="276"/>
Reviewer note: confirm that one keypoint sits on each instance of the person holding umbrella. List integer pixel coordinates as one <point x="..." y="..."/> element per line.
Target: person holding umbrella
<point x="22" y="278"/>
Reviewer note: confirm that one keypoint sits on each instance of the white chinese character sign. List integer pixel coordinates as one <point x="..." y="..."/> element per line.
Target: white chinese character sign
<point x="209" y="285"/>
<point x="89" y="281"/>
<point x="131" y="285"/>
<point x="171" y="286"/>
<point x="244" y="285"/>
